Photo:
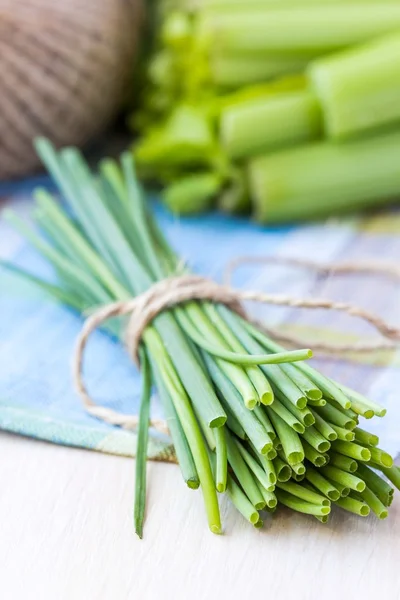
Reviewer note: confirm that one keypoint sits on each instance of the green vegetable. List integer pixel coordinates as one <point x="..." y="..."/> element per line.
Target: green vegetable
<point x="302" y="182"/>
<point x="359" y="89"/>
<point x="264" y="124"/>
<point x="236" y="403"/>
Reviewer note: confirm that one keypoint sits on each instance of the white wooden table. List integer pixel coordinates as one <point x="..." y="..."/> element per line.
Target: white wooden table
<point x="66" y="533"/>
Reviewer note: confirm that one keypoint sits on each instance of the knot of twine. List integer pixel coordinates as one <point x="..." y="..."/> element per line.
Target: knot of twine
<point x="176" y="290"/>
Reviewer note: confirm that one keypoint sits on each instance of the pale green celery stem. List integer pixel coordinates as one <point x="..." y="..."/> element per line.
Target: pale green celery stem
<point x="295" y="29"/>
<point x="303" y="493"/>
<point x="192" y="193"/>
<point x="353" y="506"/>
<point x="301" y="505"/>
<point x="359" y="89"/>
<point x="243" y="473"/>
<point x="230" y="396"/>
<point x="241" y="502"/>
<point x="189" y="426"/>
<point x="290" y="184"/>
<point x="237" y="69"/>
<point x="222" y="459"/>
<point x="254" y="373"/>
<point x="374" y="503"/>
<point x="269" y="123"/>
<point x="290" y="440"/>
<point x="181" y="446"/>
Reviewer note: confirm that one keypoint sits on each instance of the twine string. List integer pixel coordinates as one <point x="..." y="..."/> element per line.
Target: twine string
<point x="170" y="292"/>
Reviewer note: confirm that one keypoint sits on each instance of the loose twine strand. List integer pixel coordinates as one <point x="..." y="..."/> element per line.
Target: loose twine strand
<point x="172" y="291"/>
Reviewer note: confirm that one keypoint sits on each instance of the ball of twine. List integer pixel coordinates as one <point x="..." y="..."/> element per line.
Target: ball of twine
<point x="64" y="70"/>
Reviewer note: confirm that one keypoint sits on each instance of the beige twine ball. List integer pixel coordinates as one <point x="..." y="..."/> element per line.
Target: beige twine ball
<point x="64" y="67"/>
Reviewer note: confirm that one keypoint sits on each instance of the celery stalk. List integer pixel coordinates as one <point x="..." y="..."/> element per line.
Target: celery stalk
<point x="268" y="123"/>
<point x="236" y="69"/>
<point x="312" y="180"/>
<point x="296" y="29"/>
<point x="359" y="89"/>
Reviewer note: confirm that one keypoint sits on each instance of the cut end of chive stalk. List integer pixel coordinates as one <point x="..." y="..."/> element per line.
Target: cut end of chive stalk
<point x="333" y="495"/>
<point x="272" y="478"/>
<point x="319" y="461"/>
<point x="368" y="414"/>
<point x="365" y="454"/>
<point x="326" y="502"/>
<point x="259" y="524"/>
<point x="251" y="403"/>
<point x="216" y="529"/>
<point x="364" y="510"/>
<point x="294" y="458"/>
<point x="299" y="427"/>
<point x="285" y="474"/>
<point x="314" y="394"/>
<point x="272" y="503"/>
<point x="332" y="436"/>
<point x="254" y="517"/>
<point x="267" y="398"/>
<point x="383" y="514"/>
<point x="323" y="446"/>
<point x="301" y="402"/>
<point x="325" y="510"/>
<point x="360" y="486"/>
<point x="217" y="422"/>
<point x="299" y="469"/>
<point x="193" y="484"/>
<point x="266" y="449"/>
<point x="221" y="488"/>
<point x="271" y="454"/>
<point x="345" y="492"/>
<point x="309" y="420"/>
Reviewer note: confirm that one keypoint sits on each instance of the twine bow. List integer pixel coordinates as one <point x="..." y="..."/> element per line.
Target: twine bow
<point x="176" y="290"/>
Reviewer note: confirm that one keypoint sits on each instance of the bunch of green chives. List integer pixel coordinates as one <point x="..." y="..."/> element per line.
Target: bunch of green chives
<point x="247" y="418"/>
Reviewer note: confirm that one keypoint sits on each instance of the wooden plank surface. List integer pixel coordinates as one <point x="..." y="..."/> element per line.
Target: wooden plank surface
<point x="66" y="534"/>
